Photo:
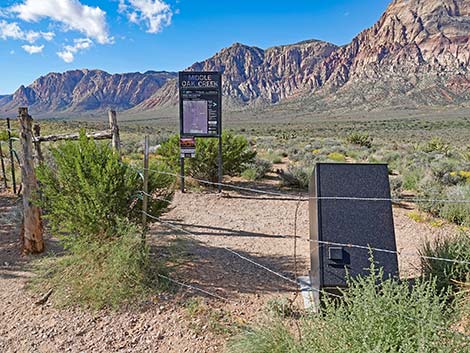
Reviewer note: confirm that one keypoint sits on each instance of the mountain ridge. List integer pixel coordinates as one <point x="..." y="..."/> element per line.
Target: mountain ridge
<point x="416" y="54"/>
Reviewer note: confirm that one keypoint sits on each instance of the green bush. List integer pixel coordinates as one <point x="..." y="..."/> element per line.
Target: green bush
<point x="100" y="274"/>
<point x="446" y="274"/>
<point x="86" y="190"/>
<point x="361" y="139"/>
<point x="236" y="153"/>
<point x="389" y="317"/>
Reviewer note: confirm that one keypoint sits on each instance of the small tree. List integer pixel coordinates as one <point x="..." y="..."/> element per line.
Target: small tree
<point x="86" y="190"/>
<point x="236" y="153"/>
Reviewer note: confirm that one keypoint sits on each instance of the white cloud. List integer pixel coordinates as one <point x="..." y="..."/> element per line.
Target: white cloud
<point x="155" y="14"/>
<point x="71" y="13"/>
<point x="69" y="51"/>
<point x="13" y="31"/>
<point x="10" y="30"/>
<point x="33" y="49"/>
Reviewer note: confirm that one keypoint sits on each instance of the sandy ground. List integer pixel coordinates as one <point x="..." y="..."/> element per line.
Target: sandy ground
<point x="258" y="227"/>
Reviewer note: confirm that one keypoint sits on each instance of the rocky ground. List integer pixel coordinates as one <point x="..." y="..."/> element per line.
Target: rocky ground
<point x="258" y="227"/>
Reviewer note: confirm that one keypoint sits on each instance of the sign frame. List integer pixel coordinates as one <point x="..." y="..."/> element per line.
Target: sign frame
<point x="201" y="86"/>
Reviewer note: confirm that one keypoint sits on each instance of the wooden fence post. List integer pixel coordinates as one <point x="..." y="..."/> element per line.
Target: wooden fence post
<point x="113" y="125"/>
<point x="37" y="144"/>
<point x="32" y="230"/>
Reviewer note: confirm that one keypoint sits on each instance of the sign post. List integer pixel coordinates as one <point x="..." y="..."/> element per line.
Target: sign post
<point x="200" y="99"/>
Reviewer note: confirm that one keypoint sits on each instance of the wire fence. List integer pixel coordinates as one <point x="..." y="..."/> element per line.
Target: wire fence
<point x="290" y="280"/>
<point x="289" y="197"/>
<point x="336" y="198"/>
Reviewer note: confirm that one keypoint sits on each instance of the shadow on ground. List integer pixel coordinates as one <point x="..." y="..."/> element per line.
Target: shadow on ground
<point x="222" y="272"/>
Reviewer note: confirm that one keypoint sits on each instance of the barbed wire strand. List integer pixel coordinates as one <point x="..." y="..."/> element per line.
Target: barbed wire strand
<point x="349" y="245"/>
<point x="330" y="198"/>
<point x="194" y="288"/>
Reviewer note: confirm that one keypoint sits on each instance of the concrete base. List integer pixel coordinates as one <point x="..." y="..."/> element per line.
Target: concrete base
<point x="311" y="297"/>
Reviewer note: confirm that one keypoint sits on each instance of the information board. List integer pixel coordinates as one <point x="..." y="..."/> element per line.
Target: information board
<point x="200" y="104"/>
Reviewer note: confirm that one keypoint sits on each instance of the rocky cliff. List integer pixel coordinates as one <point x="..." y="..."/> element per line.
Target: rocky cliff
<point x="85" y="90"/>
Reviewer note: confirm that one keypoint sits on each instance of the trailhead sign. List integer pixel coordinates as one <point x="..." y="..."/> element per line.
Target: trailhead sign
<point x="200" y="104"/>
<point x="200" y="99"/>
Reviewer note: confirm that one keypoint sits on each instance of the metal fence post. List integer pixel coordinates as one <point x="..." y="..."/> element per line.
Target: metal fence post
<point x="145" y="187"/>
<point x="12" y="160"/>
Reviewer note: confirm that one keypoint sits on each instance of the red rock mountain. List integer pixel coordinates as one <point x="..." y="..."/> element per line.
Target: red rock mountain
<point x="85" y="90"/>
<point x="417" y="54"/>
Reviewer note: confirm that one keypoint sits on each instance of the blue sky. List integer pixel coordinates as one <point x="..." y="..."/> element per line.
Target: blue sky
<point x="40" y="36"/>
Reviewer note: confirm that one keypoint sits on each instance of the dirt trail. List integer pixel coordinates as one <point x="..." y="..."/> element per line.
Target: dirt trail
<point x="259" y="228"/>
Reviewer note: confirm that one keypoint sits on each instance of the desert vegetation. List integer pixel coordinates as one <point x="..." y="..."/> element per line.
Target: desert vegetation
<point x="93" y="206"/>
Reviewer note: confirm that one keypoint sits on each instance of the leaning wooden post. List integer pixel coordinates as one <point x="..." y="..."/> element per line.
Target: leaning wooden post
<point x="37" y="143"/>
<point x="113" y="125"/>
<point x="32" y="230"/>
<point x="146" y="188"/>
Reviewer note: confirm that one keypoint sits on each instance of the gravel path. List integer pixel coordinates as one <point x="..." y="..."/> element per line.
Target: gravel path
<point x="259" y="228"/>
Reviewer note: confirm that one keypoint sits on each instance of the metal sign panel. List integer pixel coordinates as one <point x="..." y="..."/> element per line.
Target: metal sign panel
<point x="200" y="103"/>
<point x="356" y="220"/>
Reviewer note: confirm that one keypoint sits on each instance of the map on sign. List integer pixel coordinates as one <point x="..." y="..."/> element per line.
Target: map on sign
<point x="195" y="117"/>
<point x="200" y="104"/>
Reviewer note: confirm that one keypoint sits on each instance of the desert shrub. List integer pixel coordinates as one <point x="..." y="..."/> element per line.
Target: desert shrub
<point x="390" y="317"/>
<point x="257" y="170"/>
<point x="436" y="144"/>
<point x="275" y="157"/>
<point x="446" y="274"/>
<point x="455" y="212"/>
<point x="236" y="153"/>
<point x="86" y="190"/>
<point x="99" y="274"/>
<point x="359" y="138"/>
<point x="337" y="157"/>
<point x="396" y="186"/>
<point x="412" y="179"/>
<point x="296" y="176"/>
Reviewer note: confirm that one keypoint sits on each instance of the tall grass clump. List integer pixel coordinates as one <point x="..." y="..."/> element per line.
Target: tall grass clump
<point x="374" y="315"/>
<point x="91" y="201"/>
<point x="100" y="274"/>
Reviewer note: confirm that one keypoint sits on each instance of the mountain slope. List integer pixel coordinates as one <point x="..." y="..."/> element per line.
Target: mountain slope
<point x="418" y="53"/>
<point x="253" y="75"/>
<point x="85" y="90"/>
